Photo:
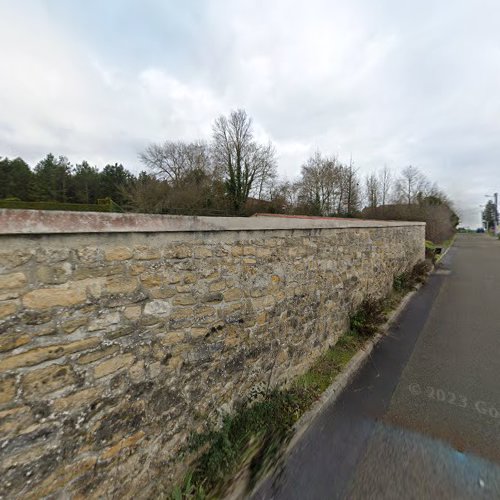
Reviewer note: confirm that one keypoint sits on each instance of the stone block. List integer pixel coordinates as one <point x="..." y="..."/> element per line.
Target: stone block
<point x="181" y="317"/>
<point x="263" y="302"/>
<point x="202" y="252"/>
<point x="98" y="271"/>
<point x="88" y="254"/>
<point x="104" y="321"/>
<point x="137" y="372"/>
<point x="146" y="253"/>
<point x="233" y="294"/>
<point x="263" y="252"/>
<point x="47" y="353"/>
<point x="237" y="251"/>
<point x="178" y="252"/>
<point x="132" y="312"/>
<point x="11" y="340"/>
<point x="204" y="315"/>
<point x="14" y="258"/>
<point x="249" y="250"/>
<point x="118" y="253"/>
<point x="217" y="286"/>
<point x="54" y="274"/>
<point x="45" y="298"/>
<point x="12" y="281"/>
<point x="45" y="380"/>
<point x="99" y="354"/>
<point x="73" y="324"/>
<point x="183" y="299"/>
<point x="121" y="284"/>
<point x="122" y="445"/>
<point x="172" y="337"/>
<point x="8" y="307"/>
<point x="212" y="297"/>
<point x="7" y="389"/>
<point x="151" y="280"/>
<point x="157" y="308"/>
<point x="114" y="364"/>
<point x="77" y="400"/>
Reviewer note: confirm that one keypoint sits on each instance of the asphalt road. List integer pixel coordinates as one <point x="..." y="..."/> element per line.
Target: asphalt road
<point x="422" y="418"/>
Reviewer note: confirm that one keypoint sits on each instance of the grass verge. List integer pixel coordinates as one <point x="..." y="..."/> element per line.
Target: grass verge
<point x="254" y="435"/>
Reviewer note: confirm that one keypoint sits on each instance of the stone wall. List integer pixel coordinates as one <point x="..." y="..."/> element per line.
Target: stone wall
<point x="116" y="343"/>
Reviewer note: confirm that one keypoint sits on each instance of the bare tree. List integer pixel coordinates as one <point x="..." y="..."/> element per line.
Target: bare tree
<point x="243" y="163"/>
<point x="320" y="184"/>
<point x="411" y="185"/>
<point x="385" y="183"/>
<point x="174" y="161"/>
<point x="372" y="190"/>
<point x="351" y="191"/>
<point x="266" y="172"/>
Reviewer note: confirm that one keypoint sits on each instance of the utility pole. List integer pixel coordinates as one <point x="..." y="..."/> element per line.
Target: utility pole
<point x="495" y="196"/>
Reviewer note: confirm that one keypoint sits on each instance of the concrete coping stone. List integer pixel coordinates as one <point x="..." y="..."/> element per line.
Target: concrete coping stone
<point x="63" y="222"/>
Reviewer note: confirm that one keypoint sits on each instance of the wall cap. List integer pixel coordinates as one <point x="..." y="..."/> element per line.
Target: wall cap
<point x="63" y="222"/>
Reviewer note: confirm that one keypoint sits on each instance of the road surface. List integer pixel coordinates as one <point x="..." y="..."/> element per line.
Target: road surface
<point x="422" y="418"/>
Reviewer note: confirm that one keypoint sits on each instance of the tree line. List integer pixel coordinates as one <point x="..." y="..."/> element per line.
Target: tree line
<point x="55" y="179"/>
<point x="231" y="174"/>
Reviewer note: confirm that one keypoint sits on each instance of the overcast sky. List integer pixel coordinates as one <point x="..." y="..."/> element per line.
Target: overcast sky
<point x="393" y="82"/>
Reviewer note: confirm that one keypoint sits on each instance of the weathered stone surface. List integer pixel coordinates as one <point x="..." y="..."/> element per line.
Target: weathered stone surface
<point x="44" y="298"/>
<point x="121" y="284"/>
<point x="178" y="252"/>
<point x="14" y="258"/>
<point x="13" y="280"/>
<point x="157" y="308"/>
<point x="104" y="321"/>
<point x="41" y="354"/>
<point x="132" y="312"/>
<point x="202" y="252"/>
<point x="146" y="253"/>
<point x="98" y="354"/>
<point x="183" y="299"/>
<point x="71" y="325"/>
<point x="218" y="286"/>
<point x="77" y="400"/>
<point x="139" y="336"/>
<point x="54" y="274"/>
<point x="45" y="380"/>
<point x="118" y="253"/>
<point x="7" y="389"/>
<point x="233" y="294"/>
<point x="123" y="444"/>
<point x="113" y="364"/>
<point x="8" y="307"/>
<point x="9" y="341"/>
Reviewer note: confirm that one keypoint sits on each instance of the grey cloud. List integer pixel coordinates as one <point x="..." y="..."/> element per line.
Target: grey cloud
<point x="390" y="82"/>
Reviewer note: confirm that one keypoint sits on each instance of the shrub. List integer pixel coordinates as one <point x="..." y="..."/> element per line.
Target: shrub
<point x="406" y="281"/>
<point x="366" y="320"/>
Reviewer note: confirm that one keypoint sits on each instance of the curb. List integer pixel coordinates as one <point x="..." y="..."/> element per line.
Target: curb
<point x="441" y="257"/>
<point x="333" y="392"/>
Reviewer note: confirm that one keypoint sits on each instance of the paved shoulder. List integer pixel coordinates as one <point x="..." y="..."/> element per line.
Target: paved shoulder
<point x="422" y="418"/>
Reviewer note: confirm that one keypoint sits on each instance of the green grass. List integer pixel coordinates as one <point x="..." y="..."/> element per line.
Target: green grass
<point x="254" y="436"/>
<point x="324" y="371"/>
